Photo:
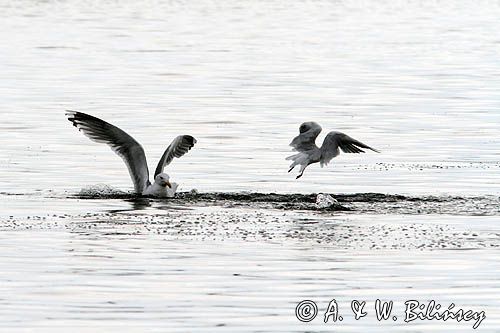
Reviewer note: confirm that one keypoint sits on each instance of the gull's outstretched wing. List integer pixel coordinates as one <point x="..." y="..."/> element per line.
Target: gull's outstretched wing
<point x="335" y="140"/>
<point x="180" y="146"/>
<point x="306" y="140"/>
<point x="120" y="142"/>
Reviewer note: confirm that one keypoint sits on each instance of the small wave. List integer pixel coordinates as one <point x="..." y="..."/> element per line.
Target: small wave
<point x="103" y="191"/>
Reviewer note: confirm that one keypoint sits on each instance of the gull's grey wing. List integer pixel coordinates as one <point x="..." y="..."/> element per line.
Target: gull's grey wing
<point x="335" y="140"/>
<point x="120" y="142"/>
<point x="180" y="146"/>
<point x="306" y="140"/>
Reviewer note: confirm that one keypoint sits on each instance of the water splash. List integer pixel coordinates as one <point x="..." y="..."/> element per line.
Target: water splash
<point x="102" y="191"/>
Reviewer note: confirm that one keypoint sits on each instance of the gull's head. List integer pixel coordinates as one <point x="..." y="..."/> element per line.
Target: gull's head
<point x="163" y="180"/>
<point x="308" y="125"/>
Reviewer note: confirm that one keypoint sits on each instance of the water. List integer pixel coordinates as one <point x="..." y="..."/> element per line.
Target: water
<point x="417" y="80"/>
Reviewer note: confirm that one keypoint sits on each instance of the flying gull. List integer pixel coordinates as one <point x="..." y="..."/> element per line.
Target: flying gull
<point x="132" y="153"/>
<point x="309" y="153"/>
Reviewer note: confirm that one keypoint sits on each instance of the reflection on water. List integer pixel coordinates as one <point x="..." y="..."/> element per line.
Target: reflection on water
<point x="417" y="80"/>
<point x="116" y="281"/>
<point x="135" y="204"/>
<point x="242" y="267"/>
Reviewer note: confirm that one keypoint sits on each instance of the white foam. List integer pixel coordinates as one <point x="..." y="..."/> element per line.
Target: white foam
<point x="100" y="190"/>
<point x="325" y="201"/>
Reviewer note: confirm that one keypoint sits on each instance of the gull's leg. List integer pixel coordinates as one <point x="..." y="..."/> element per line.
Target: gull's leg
<point x="293" y="165"/>
<point x="302" y="169"/>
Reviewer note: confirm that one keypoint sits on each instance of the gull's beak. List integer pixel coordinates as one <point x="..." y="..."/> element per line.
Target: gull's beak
<point x="167" y="183"/>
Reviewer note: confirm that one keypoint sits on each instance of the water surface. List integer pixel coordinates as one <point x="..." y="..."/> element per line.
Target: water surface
<point x="417" y="80"/>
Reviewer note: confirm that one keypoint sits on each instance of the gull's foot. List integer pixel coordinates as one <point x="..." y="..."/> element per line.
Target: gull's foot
<point x="299" y="176"/>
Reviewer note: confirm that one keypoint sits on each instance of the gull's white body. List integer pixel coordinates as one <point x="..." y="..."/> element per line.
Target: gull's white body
<point x="133" y="154"/>
<point x="157" y="190"/>
<point x="309" y="152"/>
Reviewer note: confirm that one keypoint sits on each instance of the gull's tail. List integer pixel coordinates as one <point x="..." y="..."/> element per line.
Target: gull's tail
<point x="298" y="159"/>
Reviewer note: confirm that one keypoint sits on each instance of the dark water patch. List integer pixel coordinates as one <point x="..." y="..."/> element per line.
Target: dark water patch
<point x="373" y="203"/>
<point x="359" y="203"/>
<point x="12" y="194"/>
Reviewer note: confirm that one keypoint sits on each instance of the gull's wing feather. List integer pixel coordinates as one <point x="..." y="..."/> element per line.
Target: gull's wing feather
<point x="335" y="140"/>
<point x="120" y="142"/>
<point x="180" y="146"/>
<point x="306" y="140"/>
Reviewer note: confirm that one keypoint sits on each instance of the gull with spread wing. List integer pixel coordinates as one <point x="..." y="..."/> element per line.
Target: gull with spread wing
<point x="309" y="153"/>
<point x="132" y="153"/>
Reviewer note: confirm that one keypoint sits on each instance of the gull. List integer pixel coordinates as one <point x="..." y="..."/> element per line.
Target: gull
<point x="132" y="153"/>
<point x="309" y="153"/>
